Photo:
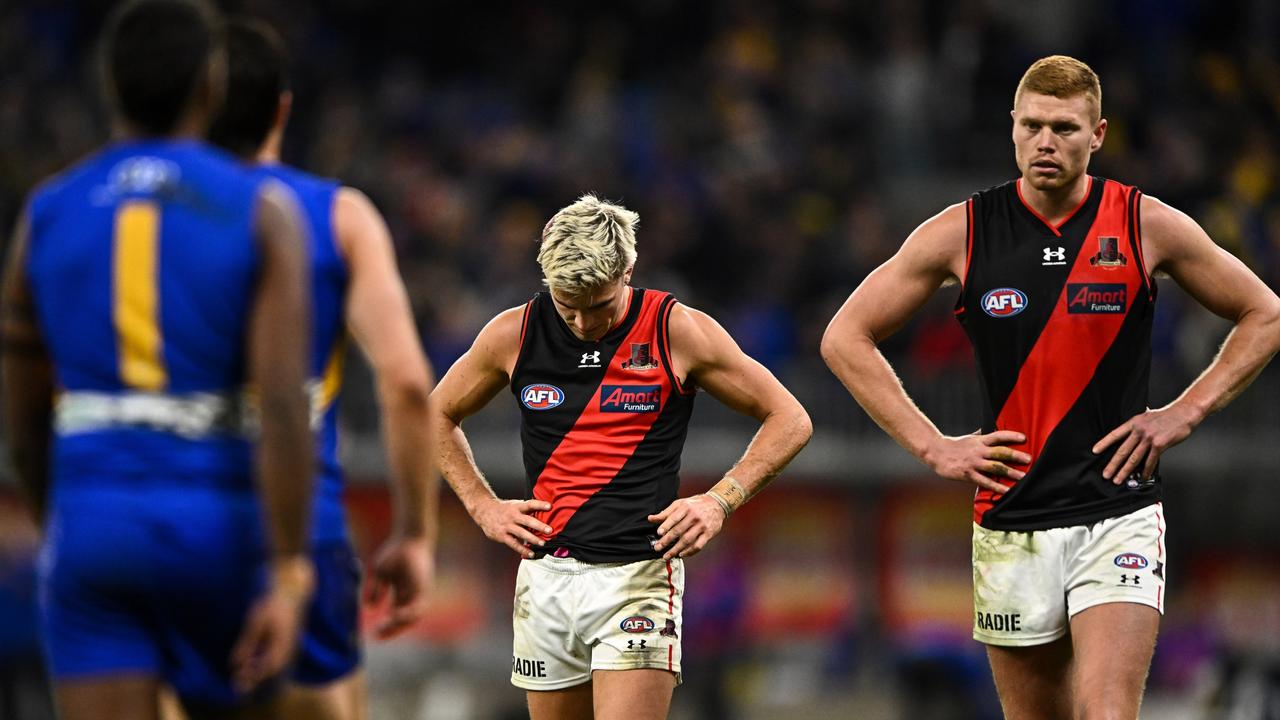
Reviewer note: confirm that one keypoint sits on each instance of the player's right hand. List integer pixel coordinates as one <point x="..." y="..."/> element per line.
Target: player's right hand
<point x="511" y="523"/>
<point x="270" y="634"/>
<point x="979" y="459"/>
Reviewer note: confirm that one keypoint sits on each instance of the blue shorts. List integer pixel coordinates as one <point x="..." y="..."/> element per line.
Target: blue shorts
<point x="330" y="645"/>
<point x="150" y="581"/>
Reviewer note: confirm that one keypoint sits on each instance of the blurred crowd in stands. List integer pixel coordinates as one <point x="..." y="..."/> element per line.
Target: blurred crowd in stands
<point x="776" y="152"/>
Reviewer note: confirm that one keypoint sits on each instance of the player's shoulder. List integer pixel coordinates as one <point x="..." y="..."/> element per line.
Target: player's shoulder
<point x="1168" y="233"/>
<point x="298" y="178"/>
<point x="1004" y="191"/>
<point x="1155" y="212"/>
<point x="507" y="326"/>
<point x="86" y="169"/>
<point x="355" y="218"/>
<point x="944" y="231"/>
<point x="691" y="328"/>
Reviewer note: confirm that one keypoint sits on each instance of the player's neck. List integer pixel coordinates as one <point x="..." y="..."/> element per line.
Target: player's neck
<point x="269" y="153"/>
<point x="1057" y="204"/>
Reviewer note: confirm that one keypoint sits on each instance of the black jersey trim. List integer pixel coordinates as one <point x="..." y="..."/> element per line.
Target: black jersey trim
<point x="524" y="324"/>
<point x="1057" y="229"/>
<point x="664" y="343"/>
<point x="1135" y="239"/>
<point x="968" y="254"/>
<point x="520" y="348"/>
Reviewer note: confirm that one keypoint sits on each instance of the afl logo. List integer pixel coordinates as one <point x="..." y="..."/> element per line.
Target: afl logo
<point x="637" y="624"/>
<point x="1131" y="561"/>
<point x="1004" y="302"/>
<point x="541" y="397"/>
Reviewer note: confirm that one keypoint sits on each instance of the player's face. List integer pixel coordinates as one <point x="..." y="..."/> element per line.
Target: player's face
<point x="1053" y="138"/>
<point x="591" y="314"/>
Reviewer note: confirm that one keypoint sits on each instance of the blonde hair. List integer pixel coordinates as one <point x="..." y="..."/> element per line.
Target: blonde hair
<point x="587" y="245"/>
<point x="1062" y="77"/>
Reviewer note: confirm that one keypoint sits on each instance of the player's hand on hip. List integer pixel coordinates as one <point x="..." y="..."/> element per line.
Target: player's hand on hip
<point x="979" y="459"/>
<point x="511" y="522"/>
<point x="1142" y="440"/>
<point x="269" y="637"/>
<point x="687" y="525"/>
<point x="403" y="569"/>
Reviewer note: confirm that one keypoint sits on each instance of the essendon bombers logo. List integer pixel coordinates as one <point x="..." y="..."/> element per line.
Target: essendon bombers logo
<point x="540" y="396"/>
<point x="1109" y="254"/>
<point x="1004" y="302"/>
<point x="641" y="358"/>
<point x="630" y="398"/>
<point x="1097" y="298"/>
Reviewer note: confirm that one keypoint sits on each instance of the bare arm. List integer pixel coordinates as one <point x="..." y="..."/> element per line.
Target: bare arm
<point x="707" y="356"/>
<point x="932" y="256"/>
<point x="279" y="337"/>
<point x="27" y="377"/>
<point x="379" y="317"/>
<point x="1175" y="244"/>
<point x="381" y="321"/>
<point x="468" y="386"/>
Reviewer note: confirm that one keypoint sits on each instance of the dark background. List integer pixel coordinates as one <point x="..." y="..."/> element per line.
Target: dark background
<point x="776" y="153"/>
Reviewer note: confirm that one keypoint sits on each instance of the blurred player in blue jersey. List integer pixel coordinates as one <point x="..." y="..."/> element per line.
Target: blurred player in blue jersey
<point x="357" y="289"/>
<point x="146" y="288"/>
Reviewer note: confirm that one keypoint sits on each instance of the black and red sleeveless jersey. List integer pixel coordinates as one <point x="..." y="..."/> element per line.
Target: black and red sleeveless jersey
<point x="1060" y="321"/>
<point x="603" y="425"/>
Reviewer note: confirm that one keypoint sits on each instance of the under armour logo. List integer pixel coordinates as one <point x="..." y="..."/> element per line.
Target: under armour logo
<point x="1124" y="579"/>
<point x="635" y="644"/>
<point x="590" y="359"/>
<point x="1055" y="256"/>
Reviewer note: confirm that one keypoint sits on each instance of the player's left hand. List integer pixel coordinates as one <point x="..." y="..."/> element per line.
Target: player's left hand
<point x="404" y="569"/>
<point x="1144" y="438"/>
<point x="269" y="637"/>
<point x="687" y="525"/>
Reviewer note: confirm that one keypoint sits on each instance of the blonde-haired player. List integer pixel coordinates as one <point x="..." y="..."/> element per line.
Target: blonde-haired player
<point x="605" y="376"/>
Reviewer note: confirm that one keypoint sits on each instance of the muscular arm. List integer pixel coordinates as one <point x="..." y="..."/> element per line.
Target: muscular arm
<point x="707" y="356"/>
<point x="27" y="378"/>
<point x="713" y="361"/>
<point x="380" y="320"/>
<point x="468" y="386"/>
<point x="1174" y="244"/>
<point x="932" y="256"/>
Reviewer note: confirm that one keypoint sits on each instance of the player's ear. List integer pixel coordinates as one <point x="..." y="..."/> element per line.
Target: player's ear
<point x="1099" y="134"/>
<point x="626" y="276"/>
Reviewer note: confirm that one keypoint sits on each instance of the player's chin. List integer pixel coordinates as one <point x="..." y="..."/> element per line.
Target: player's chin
<point x="1046" y="182"/>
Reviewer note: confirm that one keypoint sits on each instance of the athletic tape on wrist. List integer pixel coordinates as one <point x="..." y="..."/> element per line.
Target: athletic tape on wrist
<point x="724" y="504"/>
<point x="730" y="491"/>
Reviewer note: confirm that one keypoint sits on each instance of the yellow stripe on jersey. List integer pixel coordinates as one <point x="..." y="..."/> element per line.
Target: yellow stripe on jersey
<point x="136" y="307"/>
<point x="331" y="383"/>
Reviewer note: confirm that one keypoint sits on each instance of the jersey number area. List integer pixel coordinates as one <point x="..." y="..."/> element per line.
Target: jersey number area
<point x="135" y="296"/>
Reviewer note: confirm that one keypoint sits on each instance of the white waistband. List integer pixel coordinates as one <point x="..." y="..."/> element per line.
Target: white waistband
<point x="193" y="416"/>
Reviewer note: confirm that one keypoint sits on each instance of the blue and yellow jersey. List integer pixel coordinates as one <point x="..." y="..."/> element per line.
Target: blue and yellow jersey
<point x="328" y="296"/>
<point x="142" y="265"/>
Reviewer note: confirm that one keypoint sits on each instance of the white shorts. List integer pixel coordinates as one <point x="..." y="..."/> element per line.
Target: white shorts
<point x="571" y="618"/>
<point x="1027" y="585"/>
